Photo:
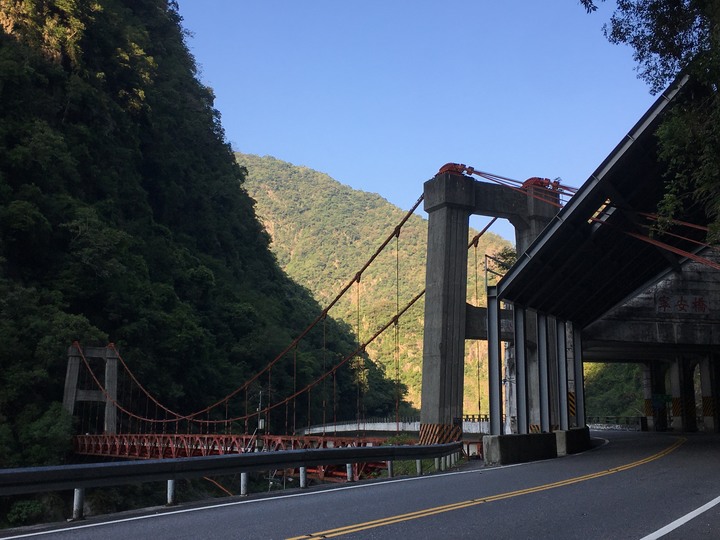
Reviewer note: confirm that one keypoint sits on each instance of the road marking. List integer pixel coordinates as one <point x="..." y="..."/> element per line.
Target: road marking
<point x="162" y="513"/>
<point x="357" y="527"/>
<point x="334" y="489"/>
<point x="681" y="521"/>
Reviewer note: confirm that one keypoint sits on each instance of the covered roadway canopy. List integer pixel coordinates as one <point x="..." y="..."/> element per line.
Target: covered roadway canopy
<point x="598" y="252"/>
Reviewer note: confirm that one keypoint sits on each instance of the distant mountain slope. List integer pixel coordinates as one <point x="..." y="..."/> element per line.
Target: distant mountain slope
<point x="322" y="234"/>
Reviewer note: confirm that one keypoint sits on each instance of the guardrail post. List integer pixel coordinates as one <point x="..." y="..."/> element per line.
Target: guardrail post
<point x="243" y="484"/>
<point x="348" y="468"/>
<point x="303" y="477"/>
<point x="78" y="503"/>
<point x="437" y="464"/>
<point x="390" y="469"/>
<point x="171" y="492"/>
<point x="418" y="467"/>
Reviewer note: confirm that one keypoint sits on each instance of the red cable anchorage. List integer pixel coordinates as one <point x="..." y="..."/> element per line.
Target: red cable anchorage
<point x="553" y="186"/>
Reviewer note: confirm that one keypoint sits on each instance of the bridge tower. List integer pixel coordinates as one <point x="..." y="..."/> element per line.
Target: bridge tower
<point x="449" y="200"/>
<point x="73" y="394"/>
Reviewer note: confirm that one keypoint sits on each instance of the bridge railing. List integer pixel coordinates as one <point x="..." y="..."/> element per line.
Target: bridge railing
<point x="632" y="423"/>
<point x="472" y="423"/>
<point x="57" y="478"/>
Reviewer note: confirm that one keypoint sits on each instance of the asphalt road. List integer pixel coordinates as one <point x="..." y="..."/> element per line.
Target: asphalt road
<point x="633" y="485"/>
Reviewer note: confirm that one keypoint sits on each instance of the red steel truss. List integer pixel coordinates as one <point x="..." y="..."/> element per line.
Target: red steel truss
<point x="160" y="446"/>
<point x="164" y="446"/>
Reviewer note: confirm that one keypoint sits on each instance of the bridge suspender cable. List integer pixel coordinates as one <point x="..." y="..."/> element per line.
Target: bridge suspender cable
<point x="196" y="416"/>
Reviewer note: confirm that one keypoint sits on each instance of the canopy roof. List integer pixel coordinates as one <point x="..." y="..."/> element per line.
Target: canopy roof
<point x="587" y="260"/>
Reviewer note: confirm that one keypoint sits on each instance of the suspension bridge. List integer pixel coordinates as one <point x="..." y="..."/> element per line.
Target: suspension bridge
<point x="119" y="417"/>
<point x="582" y="253"/>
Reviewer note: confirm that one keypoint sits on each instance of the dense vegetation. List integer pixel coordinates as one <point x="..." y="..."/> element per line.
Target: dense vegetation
<point x="613" y="389"/>
<point x="322" y="234"/>
<point x="669" y="37"/>
<point x="122" y="218"/>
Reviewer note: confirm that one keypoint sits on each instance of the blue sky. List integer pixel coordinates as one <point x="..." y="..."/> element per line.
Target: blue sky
<point x="380" y="93"/>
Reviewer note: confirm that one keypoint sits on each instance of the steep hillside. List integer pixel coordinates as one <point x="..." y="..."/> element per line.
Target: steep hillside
<point x="122" y="218"/>
<point x="323" y="232"/>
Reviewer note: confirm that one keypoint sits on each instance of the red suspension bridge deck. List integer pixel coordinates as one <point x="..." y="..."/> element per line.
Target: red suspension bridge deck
<point x="166" y="446"/>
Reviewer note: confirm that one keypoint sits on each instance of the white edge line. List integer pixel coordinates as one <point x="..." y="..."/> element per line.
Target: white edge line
<point x="681" y="521"/>
<point x="252" y="501"/>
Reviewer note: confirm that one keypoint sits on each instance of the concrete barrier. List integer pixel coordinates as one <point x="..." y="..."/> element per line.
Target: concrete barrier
<point x="577" y="440"/>
<point x="506" y="449"/>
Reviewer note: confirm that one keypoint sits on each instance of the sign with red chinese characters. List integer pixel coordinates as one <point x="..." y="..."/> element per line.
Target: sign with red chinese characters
<point x="682" y="304"/>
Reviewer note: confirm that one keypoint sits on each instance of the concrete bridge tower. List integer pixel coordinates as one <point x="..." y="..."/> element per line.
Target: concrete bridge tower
<point x="450" y="199"/>
<point x="73" y="394"/>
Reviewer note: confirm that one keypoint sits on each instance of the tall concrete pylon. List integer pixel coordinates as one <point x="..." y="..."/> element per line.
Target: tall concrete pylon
<point x="450" y="199"/>
<point x="73" y="394"/>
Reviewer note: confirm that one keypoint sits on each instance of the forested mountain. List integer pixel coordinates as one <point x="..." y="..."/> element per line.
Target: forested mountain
<point x="122" y="218"/>
<point x="322" y="234"/>
<point x="613" y="389"/>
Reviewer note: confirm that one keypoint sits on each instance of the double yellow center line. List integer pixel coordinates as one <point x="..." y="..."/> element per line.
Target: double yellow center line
<point x="348" y="529"/>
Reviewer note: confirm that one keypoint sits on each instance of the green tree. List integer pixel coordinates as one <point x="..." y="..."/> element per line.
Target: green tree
<point x="613" y="389"/>
<point x="669" y="37"/>
<point x="123" y="217"/>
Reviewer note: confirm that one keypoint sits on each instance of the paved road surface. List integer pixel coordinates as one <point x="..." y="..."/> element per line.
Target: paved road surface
<point x="631" y="487"/>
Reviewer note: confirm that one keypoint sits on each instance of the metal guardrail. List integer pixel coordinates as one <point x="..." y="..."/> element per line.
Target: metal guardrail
<point x="44" y="479"/>
<point x="617" y="420"/>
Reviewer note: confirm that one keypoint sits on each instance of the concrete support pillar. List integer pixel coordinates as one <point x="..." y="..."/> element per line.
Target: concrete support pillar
<point x="509" y="390"/>
<point x="553" y="374"/>
<point x="449" y="199"/>
<point x="494" y="362"/>
<point x="675" y="372"/>
<point x="71" y="380"/>
<point x="520" y="369"/>
<point x="708" y="397"/>
<point x="543" y="380"/>
<point x="579" y="377"/>
<point x="683" y="396"/>
<point x="659" y="395"/>
<point x="687" y="394"/>
<point x="648" y="396"/>
<point x="111" y="381"/>
<point x="532" y="372"/>
<point x="303" y="477"/>
<point x="561" y="343"/>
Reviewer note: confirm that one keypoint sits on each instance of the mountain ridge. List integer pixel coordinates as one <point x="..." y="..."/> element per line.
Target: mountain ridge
<point x="322" y="238"/>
